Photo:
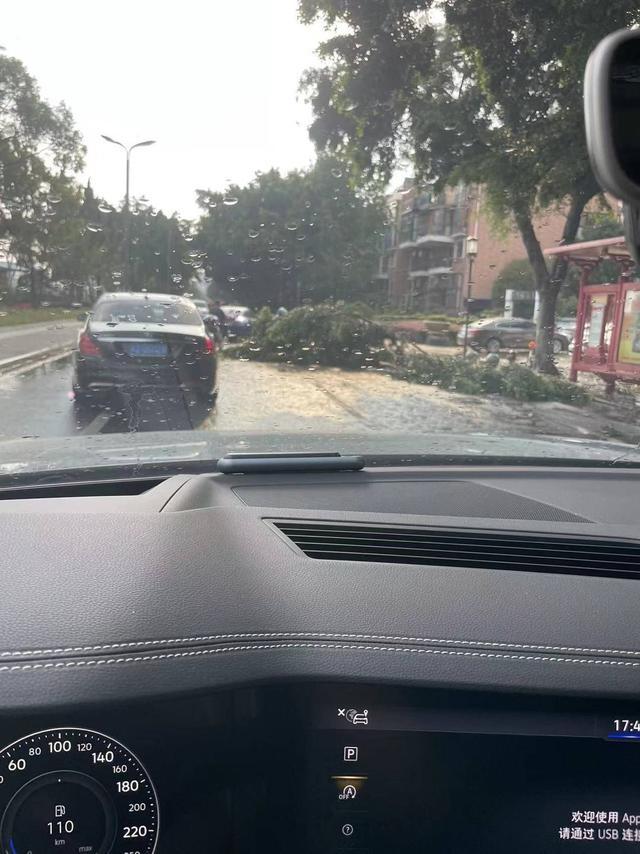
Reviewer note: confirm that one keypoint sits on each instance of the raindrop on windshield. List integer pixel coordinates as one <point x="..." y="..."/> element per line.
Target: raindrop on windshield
<point x="94" y="227"/>
<point x="105" y="208"/>
<point x="337" y="173"/>
<point x="54" y="200"/>
<point x="253" y="234"/>
<point x="229" y="201"/>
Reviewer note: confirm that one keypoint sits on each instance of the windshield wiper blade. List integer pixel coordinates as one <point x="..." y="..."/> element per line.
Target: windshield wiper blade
<point x="286" y="462"/>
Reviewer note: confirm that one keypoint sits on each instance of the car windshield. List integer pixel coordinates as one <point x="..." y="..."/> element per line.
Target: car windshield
<point x="385" y="239"/>
<point x="147" y="311"/>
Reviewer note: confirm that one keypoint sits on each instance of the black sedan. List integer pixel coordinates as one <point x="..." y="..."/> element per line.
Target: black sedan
<point x="139" y="341"/>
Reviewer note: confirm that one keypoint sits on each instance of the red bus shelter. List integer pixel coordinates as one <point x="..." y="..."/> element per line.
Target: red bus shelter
<point x="607" y="338"/>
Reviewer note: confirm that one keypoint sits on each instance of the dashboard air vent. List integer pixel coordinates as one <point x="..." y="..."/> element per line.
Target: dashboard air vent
<point x="466" y="548"/>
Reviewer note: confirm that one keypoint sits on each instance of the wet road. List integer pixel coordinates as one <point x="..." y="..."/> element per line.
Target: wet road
<point x="257" y="397"/>
<point x="253" y="397"/>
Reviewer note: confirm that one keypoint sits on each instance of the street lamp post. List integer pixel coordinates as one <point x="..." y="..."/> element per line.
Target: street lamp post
<point x="128" y="151"/>
<point x="472" y="252"/>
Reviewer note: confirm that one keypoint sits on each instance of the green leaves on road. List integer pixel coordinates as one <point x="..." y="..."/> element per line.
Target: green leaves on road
<point x="346" y="336"/>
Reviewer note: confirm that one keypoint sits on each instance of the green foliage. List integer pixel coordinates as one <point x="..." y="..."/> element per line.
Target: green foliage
<point x="345" y="336"/>
<point x="567" y="305"/>
<point x="342" y="335"/>
<point x="599" y="224"/>
<point x="17" y="317"/>
<point x="492" y="98"/>
<point x="282" y="240"/>
<point x="40" y="149"/>
<point x="61" y="232"/>
<point x="516" y="275"/>
<point x="476" y="377"/>
<point x="262" y="322"/>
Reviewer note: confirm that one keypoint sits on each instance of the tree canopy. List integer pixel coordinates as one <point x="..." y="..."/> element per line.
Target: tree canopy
<point x="488" y="93"/>
<point x="284" y="239"/>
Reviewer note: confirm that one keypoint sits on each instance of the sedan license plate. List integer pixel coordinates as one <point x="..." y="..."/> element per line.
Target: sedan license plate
<point x="148" y="348"/>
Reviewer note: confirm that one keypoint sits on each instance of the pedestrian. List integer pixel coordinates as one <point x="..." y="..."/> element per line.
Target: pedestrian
<point x="215" y="309"/>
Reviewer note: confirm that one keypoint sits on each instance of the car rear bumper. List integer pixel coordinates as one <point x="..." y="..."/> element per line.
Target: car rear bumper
<point x="100" y="375"/>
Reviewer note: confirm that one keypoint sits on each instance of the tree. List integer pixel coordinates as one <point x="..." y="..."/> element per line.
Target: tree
<point x="493" y="97"/>
<point x="40" y="150"/>
<point x="163" y="252"/>
<point x="282" y="240"/>
<point x="516" y="275"/>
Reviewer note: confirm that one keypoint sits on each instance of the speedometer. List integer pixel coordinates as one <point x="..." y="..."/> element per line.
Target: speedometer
<point x="77" y="791"/>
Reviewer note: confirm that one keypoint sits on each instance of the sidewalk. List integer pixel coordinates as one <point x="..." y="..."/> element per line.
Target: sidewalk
<point x="20" y="341"/>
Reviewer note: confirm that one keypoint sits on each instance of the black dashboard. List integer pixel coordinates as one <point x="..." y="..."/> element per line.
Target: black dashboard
<point x="325" y="767"/>
<point x="396" y="659"/>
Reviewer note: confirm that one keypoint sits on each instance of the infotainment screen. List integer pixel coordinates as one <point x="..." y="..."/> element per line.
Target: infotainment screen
<point x="466" y="774"/>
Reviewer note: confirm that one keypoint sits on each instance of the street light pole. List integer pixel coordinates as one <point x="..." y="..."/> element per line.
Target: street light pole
<point x="146" y="142"/>
<point x="472" y="252"/>
<point x="126" y="192"/>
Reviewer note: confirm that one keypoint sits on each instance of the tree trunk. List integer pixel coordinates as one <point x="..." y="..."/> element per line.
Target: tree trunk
<point x="548" y="284"/>
<point x="548" y="291"/>
<point x="569" y="232"/>
<point x="34" y="285"/>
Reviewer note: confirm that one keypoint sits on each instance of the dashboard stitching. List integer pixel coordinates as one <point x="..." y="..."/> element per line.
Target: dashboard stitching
<point x="357" y="647"/>
<point x="347" y="636"/>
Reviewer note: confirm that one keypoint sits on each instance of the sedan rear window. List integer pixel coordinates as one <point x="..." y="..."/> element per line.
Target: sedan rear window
<point x="147" y="311"/>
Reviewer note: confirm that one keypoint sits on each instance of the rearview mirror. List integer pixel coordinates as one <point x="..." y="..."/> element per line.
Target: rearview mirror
<point x="612" y="120"/>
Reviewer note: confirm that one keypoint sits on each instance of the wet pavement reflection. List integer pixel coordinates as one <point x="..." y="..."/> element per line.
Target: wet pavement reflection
<point x="39" y="402"/>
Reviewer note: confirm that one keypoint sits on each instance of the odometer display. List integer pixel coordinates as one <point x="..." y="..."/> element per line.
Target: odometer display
<point x="77" y="791"/>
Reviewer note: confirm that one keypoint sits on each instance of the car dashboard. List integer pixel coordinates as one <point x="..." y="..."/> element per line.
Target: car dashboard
<point x="408" y="658"/>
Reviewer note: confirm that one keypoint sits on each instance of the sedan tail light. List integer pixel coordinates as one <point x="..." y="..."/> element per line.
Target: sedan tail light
<point x="88" y="346"/>
<point x="209" y="346"/>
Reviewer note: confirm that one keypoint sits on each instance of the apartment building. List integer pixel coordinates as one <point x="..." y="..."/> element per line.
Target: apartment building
<point x="424" y="265"/>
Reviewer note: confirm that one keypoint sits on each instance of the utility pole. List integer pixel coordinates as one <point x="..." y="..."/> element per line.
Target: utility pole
<point x="472" y="252"/>
<point x="128" y="259"/>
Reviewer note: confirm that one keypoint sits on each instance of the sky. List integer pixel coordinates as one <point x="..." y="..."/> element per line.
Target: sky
<point x="215" y="82"/>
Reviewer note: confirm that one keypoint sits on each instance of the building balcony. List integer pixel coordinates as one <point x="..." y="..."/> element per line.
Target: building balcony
<point x="430" y="271"/>
<point x="421" y="239"/>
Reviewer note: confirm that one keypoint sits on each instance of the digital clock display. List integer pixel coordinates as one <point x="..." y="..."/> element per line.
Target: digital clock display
<point x="630" y="725"/>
